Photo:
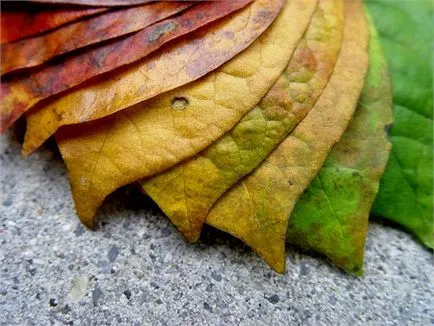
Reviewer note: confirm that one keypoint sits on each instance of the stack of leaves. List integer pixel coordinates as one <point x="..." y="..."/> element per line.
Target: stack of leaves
<point x="268" y="119"/>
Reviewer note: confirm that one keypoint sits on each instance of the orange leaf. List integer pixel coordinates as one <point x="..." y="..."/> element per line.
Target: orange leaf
<point x="16" y="25"/>
<point x="35" y="51"/>
<point x="21" y="93"/>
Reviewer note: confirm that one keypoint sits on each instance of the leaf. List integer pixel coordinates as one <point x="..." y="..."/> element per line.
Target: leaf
<point x="16" y="25"/>
<point x="331" y="217"/>
<point x="21" y="93"/>
<point x="256" y="210"/>
<point x="175" y="65"/>
<point x="406" y="189"/>
<point x="187" y="191"/>
<point x="35" y="51"/>
<point x="141" y="141"/>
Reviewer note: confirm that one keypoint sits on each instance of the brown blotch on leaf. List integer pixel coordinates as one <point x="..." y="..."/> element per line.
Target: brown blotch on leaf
<point x="161" y="30"/>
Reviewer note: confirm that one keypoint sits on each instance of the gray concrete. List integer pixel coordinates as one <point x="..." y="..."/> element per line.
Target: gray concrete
<point x="137" y="270"/>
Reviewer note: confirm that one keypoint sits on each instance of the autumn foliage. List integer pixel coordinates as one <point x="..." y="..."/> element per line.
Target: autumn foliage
<point x="267" y="119"/>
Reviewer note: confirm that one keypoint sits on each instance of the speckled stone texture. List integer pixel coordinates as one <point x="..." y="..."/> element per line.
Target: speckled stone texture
<point x="137" y="270"/>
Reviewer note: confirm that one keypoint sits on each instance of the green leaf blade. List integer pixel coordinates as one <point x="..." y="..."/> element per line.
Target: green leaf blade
<point x="406" y="189"/>
<point x="331" y="217"/>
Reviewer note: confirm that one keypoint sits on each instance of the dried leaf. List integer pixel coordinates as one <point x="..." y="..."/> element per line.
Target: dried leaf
<point x="21" y="93"/>
<point x="406" y="189"/>
<point x="16" y="25"/>
<point x="168" y="68"/>
<point x="157" y="134"/>
<point x="256" y="210"/>
<point x="35" y="51"/>
<point x="331" y="217"/>
<point x="187" y="191"/>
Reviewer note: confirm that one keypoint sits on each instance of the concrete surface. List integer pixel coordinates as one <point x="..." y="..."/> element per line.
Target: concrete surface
<point x="137" y="270"/>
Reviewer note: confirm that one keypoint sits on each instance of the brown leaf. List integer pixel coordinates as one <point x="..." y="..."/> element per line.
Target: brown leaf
<point x="21" y="93"/>
<point x="35" y="51"/>
<point x="187" y="191"/>
<point x="18" y="24"/>
<point x="171" y="67"/>
<point x="256" y="210"/>
<point x="154" y="135"/>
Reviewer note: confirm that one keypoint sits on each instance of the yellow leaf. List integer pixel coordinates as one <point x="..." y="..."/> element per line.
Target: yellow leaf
<point x="187" y="191"/>
<point x="146" y="139"/>
<point x="256" y="210"/>
<point x="171" y="66"/>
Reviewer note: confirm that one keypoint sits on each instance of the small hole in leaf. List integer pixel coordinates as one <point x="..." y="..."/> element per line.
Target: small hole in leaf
<point x="179" y="103"/>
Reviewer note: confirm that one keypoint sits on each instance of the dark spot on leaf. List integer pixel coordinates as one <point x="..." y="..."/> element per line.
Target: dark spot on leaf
<point x="262" y="16"/>
<point x="387" y="128"/>
<point x="161" y="30"/>
<point x="179" y="103"/>
<point x="356" y="173"/>
<point x="58" y="115"/>
<point x="229" y="35"/>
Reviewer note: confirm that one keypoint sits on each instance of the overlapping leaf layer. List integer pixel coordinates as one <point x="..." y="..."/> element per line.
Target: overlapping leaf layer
<point x="272" y="120"/>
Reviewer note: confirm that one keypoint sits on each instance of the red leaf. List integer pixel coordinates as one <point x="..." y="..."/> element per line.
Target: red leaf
<point x="16" y="25"/>
<point x="35" y="51"/>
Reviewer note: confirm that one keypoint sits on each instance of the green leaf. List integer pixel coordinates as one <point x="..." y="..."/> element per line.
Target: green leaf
<point x="406" y="190"/>
<point x="331" y="217"/>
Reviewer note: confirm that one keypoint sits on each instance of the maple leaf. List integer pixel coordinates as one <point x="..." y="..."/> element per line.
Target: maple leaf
<point x="35" y="51"/>
<point x="187" y="191"/>
<point x="175" y="65"/>
<point x="406" y="189"/>
<point x="22" y="92"/>
<point x="331" y="217"/>
<point x="256" y="210"/>
<point x="141" y="141"/>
